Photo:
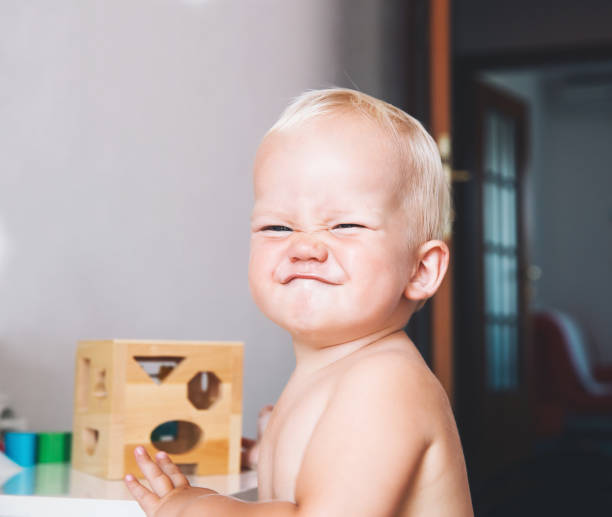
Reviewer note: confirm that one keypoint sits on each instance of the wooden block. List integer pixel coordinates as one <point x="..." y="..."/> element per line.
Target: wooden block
<point x="184" y="397"/>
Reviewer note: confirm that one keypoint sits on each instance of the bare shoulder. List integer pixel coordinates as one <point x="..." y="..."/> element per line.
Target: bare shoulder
<point x="397" y="373"/>
<point x="387" y="422"/>
<point x="415" y="425"/>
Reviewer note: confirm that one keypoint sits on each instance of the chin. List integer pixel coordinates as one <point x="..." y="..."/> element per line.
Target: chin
<point x="319" y="337"/>
<point x="322" y="330"/>
<point x="305" y="325"/>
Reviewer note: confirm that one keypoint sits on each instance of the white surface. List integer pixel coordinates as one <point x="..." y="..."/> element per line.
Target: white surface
<point x="8" y="468"/>
<point x="35" y="506"/>
<point x="82" y="494"/>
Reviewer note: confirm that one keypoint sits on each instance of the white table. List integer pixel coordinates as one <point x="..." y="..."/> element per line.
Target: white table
<point x="57" y="489"/>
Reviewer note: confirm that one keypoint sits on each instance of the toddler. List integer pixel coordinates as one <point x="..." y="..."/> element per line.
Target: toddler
<point x="351" y="205"/>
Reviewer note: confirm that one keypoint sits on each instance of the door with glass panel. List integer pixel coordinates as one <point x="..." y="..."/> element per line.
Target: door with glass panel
<point x="501" y="136"/>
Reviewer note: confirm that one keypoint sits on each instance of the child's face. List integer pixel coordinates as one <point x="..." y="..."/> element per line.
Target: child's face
<point x="329" y="255"/>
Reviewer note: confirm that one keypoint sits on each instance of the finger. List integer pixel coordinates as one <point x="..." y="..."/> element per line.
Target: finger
<point x="253" y="457"/>
<point x="245" y="452"/>
<point x="262" y="420"/>
<point x="160" y="483"/>
<point x="247" y="442"/>
<point x="171" y="470"/>
<point x="147" y="500"/>
<point x="266" y="409"/>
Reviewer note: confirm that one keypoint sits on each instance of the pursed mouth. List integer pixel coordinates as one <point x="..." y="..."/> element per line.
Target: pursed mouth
<point x="309" y="277"/>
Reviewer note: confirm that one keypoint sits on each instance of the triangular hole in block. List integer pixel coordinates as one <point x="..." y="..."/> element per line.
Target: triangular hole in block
<point x="158" y="367"/>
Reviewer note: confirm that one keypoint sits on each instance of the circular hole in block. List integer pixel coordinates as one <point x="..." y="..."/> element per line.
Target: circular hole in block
<point x="176" y="436"/>
<point x="203" y="389"/>
<point x="90" y="440"/>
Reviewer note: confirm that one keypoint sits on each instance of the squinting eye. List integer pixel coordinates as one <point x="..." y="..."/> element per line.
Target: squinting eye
<point x="276" y="228"/>
<point x="348" y="225"/>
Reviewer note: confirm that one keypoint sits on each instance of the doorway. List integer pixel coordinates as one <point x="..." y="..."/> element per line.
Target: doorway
<point x="563" y="250"/>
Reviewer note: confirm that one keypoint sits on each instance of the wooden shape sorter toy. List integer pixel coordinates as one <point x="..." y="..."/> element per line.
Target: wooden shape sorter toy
<point x="182" y="397"/>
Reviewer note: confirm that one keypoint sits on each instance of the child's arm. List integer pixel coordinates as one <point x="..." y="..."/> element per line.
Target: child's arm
<point x="360" y="461"/>
<point x="172" y="496"/>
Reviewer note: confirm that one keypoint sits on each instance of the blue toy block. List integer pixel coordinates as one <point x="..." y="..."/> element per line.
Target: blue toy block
<point x="21" y="448"/>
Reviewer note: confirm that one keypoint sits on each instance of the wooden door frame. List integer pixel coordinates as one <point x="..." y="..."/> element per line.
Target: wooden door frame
<point x="440" y="128"/>
<point x="428" y="99"/>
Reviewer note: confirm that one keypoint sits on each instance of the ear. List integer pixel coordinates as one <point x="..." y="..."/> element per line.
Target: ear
<point x="431" y="263"/>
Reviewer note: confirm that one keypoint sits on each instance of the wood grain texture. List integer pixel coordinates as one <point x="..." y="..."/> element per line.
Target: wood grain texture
<point x="118" y="404"/>
<point x="440" y="80"/>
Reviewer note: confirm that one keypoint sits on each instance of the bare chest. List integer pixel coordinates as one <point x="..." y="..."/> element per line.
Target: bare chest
<point x="284" y="443"/>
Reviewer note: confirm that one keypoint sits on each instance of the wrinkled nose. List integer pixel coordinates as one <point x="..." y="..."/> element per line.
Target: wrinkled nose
<point x="306" y="247"/>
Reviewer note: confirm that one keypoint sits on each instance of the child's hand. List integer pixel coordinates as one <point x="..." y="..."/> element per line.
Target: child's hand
<point x="250" y="448"/>
<point x="248" y="456"/>
<point x="171" y="490"/>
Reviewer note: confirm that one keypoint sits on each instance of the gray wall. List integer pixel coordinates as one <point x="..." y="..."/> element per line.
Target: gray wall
<point x="569" y="191"/>
<point x="127" y="132"/>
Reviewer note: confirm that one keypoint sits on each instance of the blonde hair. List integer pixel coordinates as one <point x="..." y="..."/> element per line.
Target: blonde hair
<point x="425" y="186"/>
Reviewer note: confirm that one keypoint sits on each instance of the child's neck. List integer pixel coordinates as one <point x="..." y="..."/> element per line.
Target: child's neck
<point x="311" y="359"/>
